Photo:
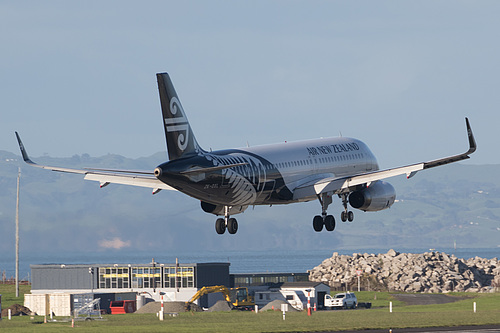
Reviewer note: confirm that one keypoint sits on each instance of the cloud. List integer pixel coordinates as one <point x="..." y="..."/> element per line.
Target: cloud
<point x="115" y="243"/>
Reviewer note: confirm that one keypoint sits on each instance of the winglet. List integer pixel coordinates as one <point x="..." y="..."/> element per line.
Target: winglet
<point x="472" y="141"/>
<point x="23" y="151"/>
<point x="459" y="157"/>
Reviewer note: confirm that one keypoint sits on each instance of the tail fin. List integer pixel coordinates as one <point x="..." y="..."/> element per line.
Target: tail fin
<point x="178" y="132"/>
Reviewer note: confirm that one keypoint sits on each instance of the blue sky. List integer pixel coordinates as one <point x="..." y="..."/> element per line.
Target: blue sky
<point x="79" y="77"/>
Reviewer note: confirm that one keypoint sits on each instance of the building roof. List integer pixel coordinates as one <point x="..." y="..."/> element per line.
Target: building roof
<point x="301" y="284"/>
<point x="157" y="264"/>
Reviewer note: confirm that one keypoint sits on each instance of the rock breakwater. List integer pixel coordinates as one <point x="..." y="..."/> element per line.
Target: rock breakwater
<point x="430" y="272"/>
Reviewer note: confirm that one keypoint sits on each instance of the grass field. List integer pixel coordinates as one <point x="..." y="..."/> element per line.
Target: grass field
<point x="452" y="314"/>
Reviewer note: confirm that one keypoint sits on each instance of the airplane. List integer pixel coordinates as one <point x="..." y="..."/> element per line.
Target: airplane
<point x="227" y="182"/>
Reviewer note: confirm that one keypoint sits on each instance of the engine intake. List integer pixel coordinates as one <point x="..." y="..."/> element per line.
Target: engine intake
<point x="378" y="196"/>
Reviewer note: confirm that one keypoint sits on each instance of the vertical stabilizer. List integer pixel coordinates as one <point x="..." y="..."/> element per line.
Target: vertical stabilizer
<point x="178" y="132"/>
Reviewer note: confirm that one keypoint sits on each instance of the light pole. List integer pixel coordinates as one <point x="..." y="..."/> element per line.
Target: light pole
<point x="91" y="274"/>
<point x="17" y="234"/>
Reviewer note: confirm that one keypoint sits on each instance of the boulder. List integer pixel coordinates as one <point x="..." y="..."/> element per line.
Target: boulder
<point x="428" y="272"/>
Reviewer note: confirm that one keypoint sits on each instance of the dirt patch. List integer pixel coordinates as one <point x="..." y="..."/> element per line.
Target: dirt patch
<point x="16" y="310"/>
<point x="220" y="306"/>
<point x="168" y="307"/>
<point x="426" y="299"/>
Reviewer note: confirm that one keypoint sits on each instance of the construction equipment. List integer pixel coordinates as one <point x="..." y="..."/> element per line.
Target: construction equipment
<point x="237" y="297"/>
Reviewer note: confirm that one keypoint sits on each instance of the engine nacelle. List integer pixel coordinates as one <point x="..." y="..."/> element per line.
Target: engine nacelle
<point x="378" y="196"/>
<point x="220" y="209"/>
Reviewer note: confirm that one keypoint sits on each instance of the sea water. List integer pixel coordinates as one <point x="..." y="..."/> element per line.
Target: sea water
<point x="271" y="261"/>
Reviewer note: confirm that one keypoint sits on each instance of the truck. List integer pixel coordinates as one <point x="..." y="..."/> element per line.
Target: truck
<point x="341" y="301"/>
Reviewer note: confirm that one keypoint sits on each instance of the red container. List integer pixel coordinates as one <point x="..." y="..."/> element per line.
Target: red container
<point x="118" y="307"/>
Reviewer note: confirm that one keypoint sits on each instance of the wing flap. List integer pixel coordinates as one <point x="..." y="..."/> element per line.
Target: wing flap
<point x="338" y="185"/>
<point x="142" y="181"/>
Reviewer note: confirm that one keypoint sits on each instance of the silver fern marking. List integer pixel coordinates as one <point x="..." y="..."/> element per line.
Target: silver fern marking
<point x="247" y="181"/>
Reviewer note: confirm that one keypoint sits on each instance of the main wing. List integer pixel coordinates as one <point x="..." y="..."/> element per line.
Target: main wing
<point x="106" y="176"/>
<point x="347" y="184"/>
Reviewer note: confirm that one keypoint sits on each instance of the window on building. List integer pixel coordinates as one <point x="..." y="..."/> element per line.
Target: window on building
<point x="114" y="277"/>
<point x="182" y="277"/>
<point x="146" y="277"/>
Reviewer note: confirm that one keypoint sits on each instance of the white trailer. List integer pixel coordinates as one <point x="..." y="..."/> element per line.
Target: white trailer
<point x="290" y="296"/>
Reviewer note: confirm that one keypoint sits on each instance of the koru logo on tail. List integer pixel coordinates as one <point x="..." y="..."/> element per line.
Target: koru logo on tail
<point x="178" y="124"/>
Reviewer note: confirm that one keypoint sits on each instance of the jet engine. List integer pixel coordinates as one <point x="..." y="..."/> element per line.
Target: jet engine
<point x="378" y="196"/>
<point x="220" y="209"/>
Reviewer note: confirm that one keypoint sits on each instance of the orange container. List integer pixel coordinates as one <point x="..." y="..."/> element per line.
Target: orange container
<point x="118" y="307"/>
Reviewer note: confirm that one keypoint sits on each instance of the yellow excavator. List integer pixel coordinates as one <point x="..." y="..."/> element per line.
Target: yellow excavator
<point x="237" y="297"/>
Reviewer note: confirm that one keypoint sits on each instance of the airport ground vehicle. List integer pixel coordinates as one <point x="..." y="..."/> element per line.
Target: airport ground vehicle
<point x="238" y="297"/>
<point x="342" y="301"/>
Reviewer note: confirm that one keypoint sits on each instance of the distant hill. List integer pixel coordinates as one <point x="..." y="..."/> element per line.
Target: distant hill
<point x="60" y="212"/>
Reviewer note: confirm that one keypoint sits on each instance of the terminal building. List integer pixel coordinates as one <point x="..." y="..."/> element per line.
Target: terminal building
<point x="65" y="284"/>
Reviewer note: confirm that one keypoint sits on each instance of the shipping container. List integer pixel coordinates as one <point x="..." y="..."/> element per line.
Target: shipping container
<point x="61" y="304"/>
<point x="37" y="303"/>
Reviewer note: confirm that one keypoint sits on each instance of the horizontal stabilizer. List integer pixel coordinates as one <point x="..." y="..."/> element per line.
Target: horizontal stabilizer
<point x="212" y="169"/>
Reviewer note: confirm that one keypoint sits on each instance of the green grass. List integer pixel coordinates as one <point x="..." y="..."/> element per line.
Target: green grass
<point x="451" y="314"/>
<point x="8" y="292"/>
<point x="378" y="299"/>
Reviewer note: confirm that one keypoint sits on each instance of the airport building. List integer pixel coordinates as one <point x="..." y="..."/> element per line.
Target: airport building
<point x="66" y="284"/>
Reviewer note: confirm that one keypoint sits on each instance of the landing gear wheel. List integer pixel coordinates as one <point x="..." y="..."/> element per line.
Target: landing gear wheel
<point x="318" y="223"/>
<point x="350" y="216"/>
<point x="232" y="226"/>
<point x="220" y="226"/>
<point x="343" y="216"/>
<point x="329" y="223"/>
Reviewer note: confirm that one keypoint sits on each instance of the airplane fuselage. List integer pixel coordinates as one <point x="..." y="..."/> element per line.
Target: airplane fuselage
<point x="266" y="174"/>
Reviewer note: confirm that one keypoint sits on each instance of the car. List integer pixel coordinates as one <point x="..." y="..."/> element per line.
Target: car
<point x="345" y="300"/>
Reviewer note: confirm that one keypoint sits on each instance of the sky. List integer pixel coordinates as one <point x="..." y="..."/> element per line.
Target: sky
<point x="79" y="76"/>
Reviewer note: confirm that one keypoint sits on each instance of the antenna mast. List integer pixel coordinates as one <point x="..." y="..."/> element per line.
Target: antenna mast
<point x="17" y="234"/>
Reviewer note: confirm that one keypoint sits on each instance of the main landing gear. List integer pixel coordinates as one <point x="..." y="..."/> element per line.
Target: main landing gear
<point x="328" y="220"/>
<point x="346" y="215"/>
<point x="229" y="223"/>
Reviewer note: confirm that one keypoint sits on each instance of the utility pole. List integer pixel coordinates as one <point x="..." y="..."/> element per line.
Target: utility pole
<point x="17" y="234"/>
